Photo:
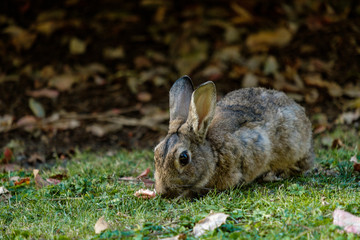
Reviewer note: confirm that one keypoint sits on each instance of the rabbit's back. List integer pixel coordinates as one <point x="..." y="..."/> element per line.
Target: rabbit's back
<point x="264" y="130"/>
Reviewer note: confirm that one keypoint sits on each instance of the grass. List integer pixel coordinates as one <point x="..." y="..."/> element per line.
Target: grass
<point x="298" y="208"/>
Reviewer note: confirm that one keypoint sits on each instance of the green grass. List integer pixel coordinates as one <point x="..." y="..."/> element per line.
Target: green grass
<point x="299" y="208"/>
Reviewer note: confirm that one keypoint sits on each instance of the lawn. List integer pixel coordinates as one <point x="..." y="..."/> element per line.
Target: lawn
<point x="298" y="208"/>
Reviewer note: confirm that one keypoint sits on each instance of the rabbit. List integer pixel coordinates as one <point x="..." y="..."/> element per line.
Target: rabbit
<point x="251" y="133"/>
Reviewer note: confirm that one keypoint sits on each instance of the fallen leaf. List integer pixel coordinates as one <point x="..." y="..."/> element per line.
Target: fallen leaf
<point x="53" y="181"/>
<point x="142" y="62"/>
<point x="356" y="163"/>
<point x="4" y="194"/>
<point x="36" y="157"/>
<point x="348" y="117"/>
<point x="181" y="236"/>
<point x="20" y="38"/>
<point x="60" y="176"/>
<point x="23" y="180"/>
<point x="250" y="80"/>
<point x="6" y="122"/>
<point x="144" y="96"/>
<point x="9" y="167"/>
<point x="271" y="65"/>
<point x="351" y="223"/>
<point x="77" y="46"/>
<point x="324" y="202"/>
<point x="243" y="15"/>
<point x="36" y="108"/>
<point x="316" y="80"/>
<point x="147" y="182"/>
<point x="263" y="40"/>
<point x="319" y="129"/>
<point x="8" y="155"/>
<point x="101" y="225"/>
<point x="63" y="82"/>
<point x="14" y="178"/>
<point x="145" y="194"/>
<point x="27" y="122"/>
<point x="114" y="53"/>
<point x="311" y="95"/>
<point x="211" y="222"/>
<point x="144" y="173"/>
<point x="337" y="143"/>
<point x="101" y="130"/>
<point x="39" y="181"/>
<point x="45" y="92"/>
<point x="3" y="190"/>
<point x="128" y="179"/>
<point x="352" y="91"/>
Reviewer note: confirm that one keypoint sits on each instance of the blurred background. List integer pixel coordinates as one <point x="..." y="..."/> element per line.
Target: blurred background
<point x="95" y="75"/>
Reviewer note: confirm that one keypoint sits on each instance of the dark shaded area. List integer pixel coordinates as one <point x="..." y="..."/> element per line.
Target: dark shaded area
<point x="109" y="64"/>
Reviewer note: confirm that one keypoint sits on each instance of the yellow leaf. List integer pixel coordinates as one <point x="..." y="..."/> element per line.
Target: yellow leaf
<point x="101" y="225"/>
<point x="77" y="46"/>
<point x="263" y="40"/>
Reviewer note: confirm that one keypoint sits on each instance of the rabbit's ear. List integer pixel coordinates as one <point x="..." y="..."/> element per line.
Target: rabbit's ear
<point x="202" y="108"/>
<point x="180" y="96"/>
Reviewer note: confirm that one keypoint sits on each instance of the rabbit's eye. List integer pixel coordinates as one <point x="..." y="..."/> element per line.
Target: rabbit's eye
<point x="184" y="158"/>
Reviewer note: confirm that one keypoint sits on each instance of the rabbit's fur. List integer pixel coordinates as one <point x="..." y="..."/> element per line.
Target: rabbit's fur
<point x="250" y="133"/>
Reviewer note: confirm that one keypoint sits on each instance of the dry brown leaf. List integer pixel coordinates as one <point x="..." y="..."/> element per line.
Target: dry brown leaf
<point x="351" y="223"/>
<point x="147" y="182"/>
<point x="144" y="96"/>
<point x="6" y="122"/>
<point x="211" y="222"/>
<point x="101" y="225"/>
<point x="145" y="194"/>
<point x="324" y="202"/>
<point x="36" y="157"/>
<point x="312" y="95"/>
<point x="352" y="91"/>
<point x="39" y="181"/>
<point x="315" y="80"/>
<point x="4" y="194"/>
<point x="45" y="92"/>
<point x="144" y="173"/>
<point x="60" y="176"/>
<point x="348" y="117"/>
<point x="20" y="38"/>
<point x="133" y="179"/>
<point x="356" y="163"/>
<point x="114" y="53"/>
<point x="337" y="143"/>
<point x="77" y="46"/>
<point x="3" y="190"/>
<point x="101" y="130"/>
<point x="53" y="181"/>
<point x="27" y="122"/>
<point x="63" y="82"/>
<point x="23" y="180"/>
<point x="8" y="155"/>
<point x="250" y="80"/>
<point x="263" y="40"/>
<point x="243" y="15"/>
<point x="319" y="129"/>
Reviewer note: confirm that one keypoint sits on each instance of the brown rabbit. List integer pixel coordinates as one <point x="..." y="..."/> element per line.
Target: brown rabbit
<point x="250" y="133"/>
